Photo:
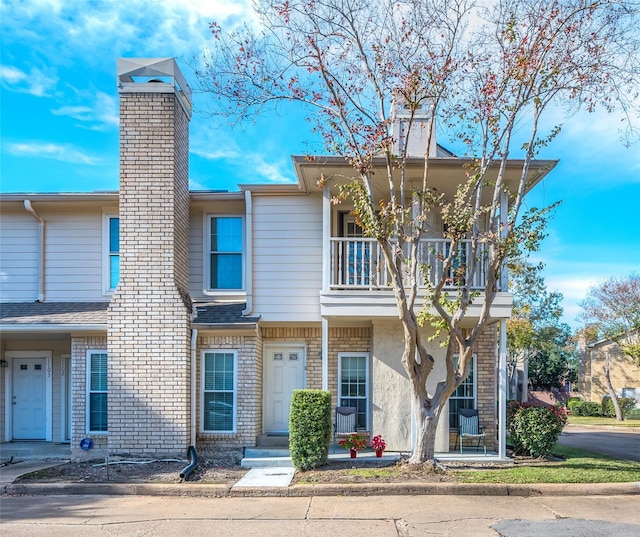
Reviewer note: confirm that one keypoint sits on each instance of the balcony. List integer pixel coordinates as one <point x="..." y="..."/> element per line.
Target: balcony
<point x="358" y="264"/>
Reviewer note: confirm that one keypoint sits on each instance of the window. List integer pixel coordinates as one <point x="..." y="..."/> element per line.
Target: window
<point x="353" y="385"/>
<point x="225" y="252"/>
<point x="465" y="394"/>
<point x="219" y="391"/>
<point x="97" y="391"/>
<point x="629" y="392"/>
<point x="112" y="253"/>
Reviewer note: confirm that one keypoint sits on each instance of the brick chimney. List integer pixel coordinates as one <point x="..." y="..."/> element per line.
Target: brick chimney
<point x="150" y="313"/>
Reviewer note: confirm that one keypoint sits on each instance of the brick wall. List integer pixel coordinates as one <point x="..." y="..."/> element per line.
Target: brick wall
<point x="149" y="315"/>
<point x="486" y="360"/>
<point x="249" y="396"/>
<point x="79" y="348"/>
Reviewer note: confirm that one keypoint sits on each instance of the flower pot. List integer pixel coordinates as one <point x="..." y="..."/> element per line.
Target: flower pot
<point x="379" y="453"/>
<point x="353" y="453"/>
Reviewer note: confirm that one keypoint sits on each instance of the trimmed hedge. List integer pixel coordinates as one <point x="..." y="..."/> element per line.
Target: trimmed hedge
<point x="586" y="408"/>
<point x="534" y="430"/>
<point x="310" y="428"/>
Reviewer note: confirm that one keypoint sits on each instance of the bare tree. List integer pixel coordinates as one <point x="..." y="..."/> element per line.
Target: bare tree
<point x="488" y="72"/>
<point x="612" y="310"/>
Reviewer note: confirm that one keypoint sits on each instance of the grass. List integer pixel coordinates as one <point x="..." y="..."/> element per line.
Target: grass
<point x="578" y="466"/>
<point x="599" y="421"/>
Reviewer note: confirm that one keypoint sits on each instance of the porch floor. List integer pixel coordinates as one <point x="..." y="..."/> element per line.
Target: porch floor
<point x="34" y="450"/>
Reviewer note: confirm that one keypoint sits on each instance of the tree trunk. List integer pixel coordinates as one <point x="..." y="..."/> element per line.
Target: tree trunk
<point x="612" y="392"/>
<point x="426" y="425"/>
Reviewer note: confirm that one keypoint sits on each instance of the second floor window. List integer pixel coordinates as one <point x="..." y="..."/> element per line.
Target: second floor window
<point x="225" y="252"/>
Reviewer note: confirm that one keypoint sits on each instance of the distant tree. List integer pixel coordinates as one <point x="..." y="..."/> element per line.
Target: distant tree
<point x="612" y="310"/>
<point x="489" y="72"/>
<point x="536" y="337"/>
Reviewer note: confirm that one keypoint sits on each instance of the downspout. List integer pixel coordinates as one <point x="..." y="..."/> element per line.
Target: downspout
<point x="249" y="252"/>
<point x="29" y="208"/>
<point x="194" y="339"/>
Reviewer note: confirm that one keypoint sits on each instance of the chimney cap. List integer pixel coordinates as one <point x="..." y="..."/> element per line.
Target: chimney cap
<point x="158" y="75"/>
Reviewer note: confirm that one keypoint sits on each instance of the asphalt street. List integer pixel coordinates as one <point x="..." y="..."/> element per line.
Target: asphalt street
<point x="623" y="445"/>
<point x="382" y="516"/>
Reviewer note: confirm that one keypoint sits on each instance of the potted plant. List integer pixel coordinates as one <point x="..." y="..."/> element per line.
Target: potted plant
<point x="378" y="445"/>
<point x="354" y="443"/>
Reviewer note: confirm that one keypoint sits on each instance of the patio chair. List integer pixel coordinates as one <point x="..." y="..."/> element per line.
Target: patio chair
<point x="345" y="423"/>
<point x="469" y="427"/>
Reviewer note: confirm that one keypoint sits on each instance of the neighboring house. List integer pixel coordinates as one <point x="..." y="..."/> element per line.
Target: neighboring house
<point x="625" y="374"/>
<point x="155" y="318"/>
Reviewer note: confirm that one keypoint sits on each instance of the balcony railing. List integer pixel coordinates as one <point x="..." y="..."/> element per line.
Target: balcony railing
<point x="358" y="264"/>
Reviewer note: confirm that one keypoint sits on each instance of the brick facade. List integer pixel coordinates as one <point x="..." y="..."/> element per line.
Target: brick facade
<point x="149" y="317"/>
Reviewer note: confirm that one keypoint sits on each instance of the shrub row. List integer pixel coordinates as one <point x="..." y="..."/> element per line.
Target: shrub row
<point x="604" y="409"/>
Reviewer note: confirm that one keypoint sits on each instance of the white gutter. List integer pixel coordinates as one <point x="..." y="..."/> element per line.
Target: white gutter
<point x="248" y="263"/>
<point x="9" y="327"/>
<point x="29" y="208"/>
<point x="194" y="339"/>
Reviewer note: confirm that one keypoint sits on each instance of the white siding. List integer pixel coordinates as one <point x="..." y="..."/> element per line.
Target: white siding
<point x="73" y="258"/>
<point x="19" y="237"/>
<point x="287" y="257"/>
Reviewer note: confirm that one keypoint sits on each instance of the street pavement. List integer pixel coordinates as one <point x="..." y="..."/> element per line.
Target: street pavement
<point x="617" y="442"/>
<point x="382" y="516"/>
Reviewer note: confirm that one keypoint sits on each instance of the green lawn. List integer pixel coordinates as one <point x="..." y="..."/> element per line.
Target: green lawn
<point x="631" y="421"/>
<point x="579" y="466"/>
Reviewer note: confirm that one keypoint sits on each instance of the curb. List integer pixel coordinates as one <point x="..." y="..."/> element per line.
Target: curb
<point x="326" y="489"/>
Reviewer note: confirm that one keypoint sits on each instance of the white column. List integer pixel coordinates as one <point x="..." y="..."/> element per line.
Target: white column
<point x="325" y="353"/>
<point x="502" y="391"/>
<point x="504" y="222"/>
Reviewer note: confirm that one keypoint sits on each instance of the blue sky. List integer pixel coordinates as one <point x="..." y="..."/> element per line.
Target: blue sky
<point x="59" y="128"/>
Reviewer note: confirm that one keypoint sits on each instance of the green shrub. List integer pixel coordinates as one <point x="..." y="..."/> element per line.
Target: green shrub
<point x="310" y="428"/>
<point x="627" y="404"/>
<point x="571" y="402"/>
<point x="586" y="408"/>
<point x="534" y="430"/>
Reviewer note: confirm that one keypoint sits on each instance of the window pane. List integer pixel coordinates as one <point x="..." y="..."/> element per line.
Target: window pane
<point x="98" y="380"/>
<point x="226" y="271"/>
<point x="464" y="396"/>
<point x="114" y="235"/>
<point x="98" y="412"/>
<point x="114" y="271"/>
<point x="353" y="386"/>
<point x="218" y="411"/>
<point x="226" y="234"/>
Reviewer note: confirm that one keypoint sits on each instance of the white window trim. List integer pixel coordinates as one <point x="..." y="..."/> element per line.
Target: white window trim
<point x="235" y="389"/>
<point x="88" y="391"/>
<point x="206" y="243"/>
<point x="106" y="266"/>
<point x="342" y="355"/>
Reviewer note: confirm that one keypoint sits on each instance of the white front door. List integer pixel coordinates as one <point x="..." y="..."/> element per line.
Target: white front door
<point x="283" y="373"/>
<point x="29" y="400"/>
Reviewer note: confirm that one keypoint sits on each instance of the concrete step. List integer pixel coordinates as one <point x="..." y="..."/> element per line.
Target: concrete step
<point x="266" y="458"/>
<point x="273" y="441"/>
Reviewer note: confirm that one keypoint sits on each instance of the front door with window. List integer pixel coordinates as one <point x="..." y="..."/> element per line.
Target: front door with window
<point x="283" y="373"/>
<point x="29" y="399"/>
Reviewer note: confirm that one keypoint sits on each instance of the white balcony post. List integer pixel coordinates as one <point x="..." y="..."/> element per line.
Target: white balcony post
<point x="325" y="353"/>
<point x="502" y="391"/>
<point x="326" y="237"/>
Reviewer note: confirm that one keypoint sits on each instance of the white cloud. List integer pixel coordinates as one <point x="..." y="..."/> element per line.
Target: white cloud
<point x="101" y="114"/>
<point x="34" y="83"/>
<point x="63" y="153"/>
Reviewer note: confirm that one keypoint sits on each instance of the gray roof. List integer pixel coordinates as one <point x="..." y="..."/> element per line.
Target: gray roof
<point x="95" y="313"/>
<point x="76" y="313"/>
<point x="211" y="313"/>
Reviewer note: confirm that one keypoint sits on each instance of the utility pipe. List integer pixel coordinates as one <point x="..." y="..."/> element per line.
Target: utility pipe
<point x="30" y="210"/>
<point x="194" y="338"/>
